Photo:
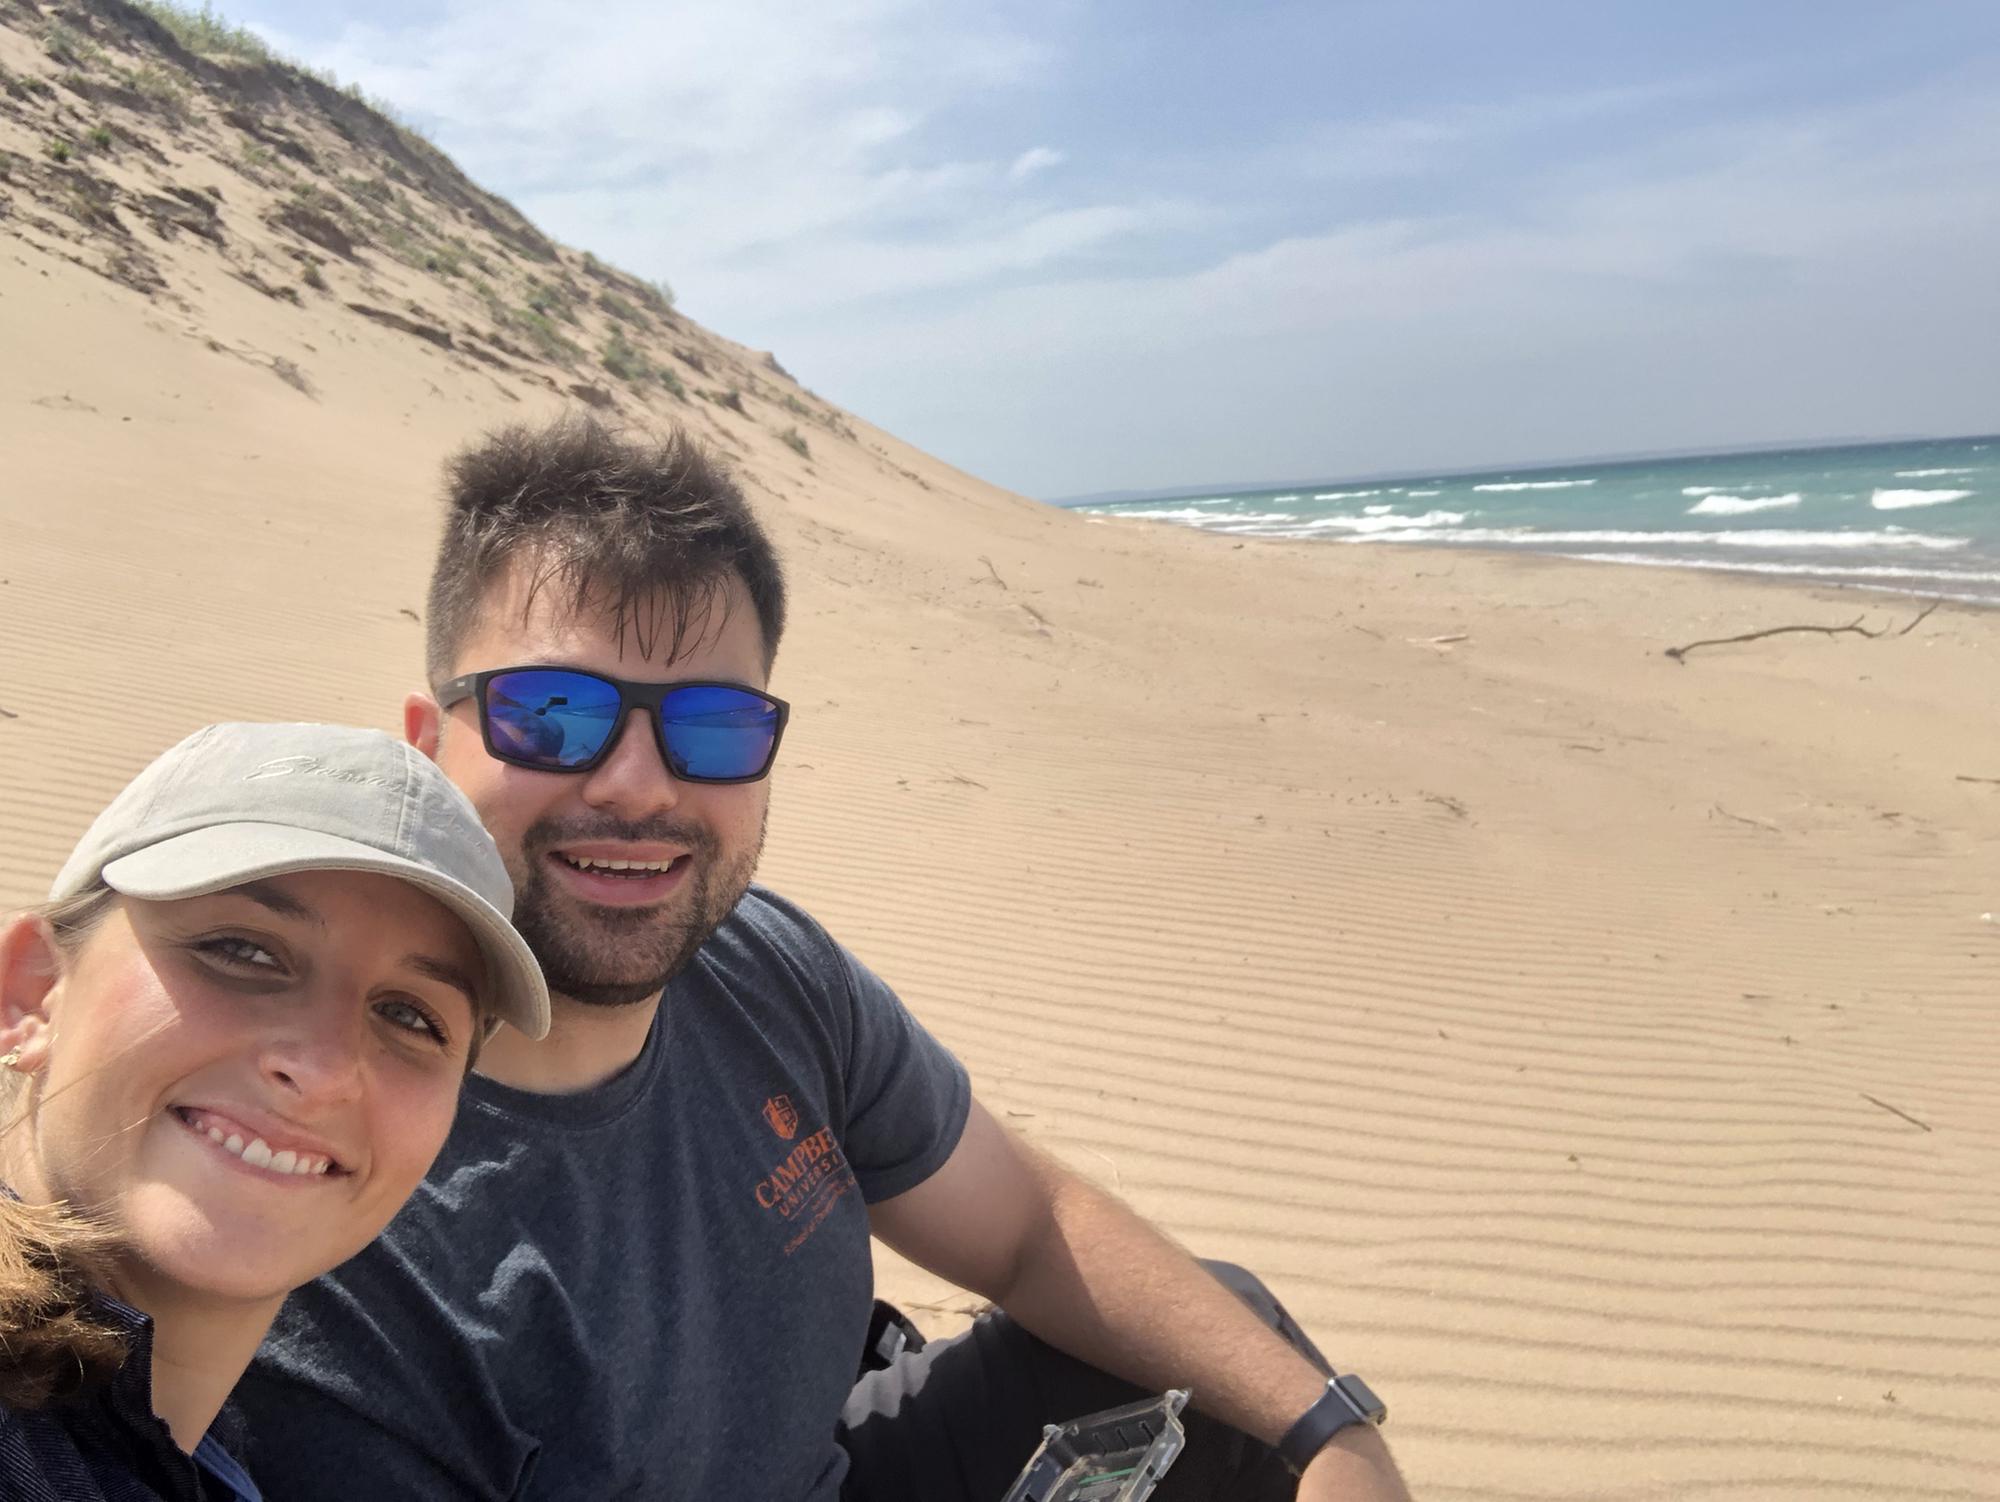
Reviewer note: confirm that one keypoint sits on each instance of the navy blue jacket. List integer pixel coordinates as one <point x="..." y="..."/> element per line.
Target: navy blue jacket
<point x="108" y="1445"/>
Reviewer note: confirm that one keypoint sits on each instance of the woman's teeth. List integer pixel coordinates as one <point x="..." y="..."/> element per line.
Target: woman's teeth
<point x="257" y="1153"/>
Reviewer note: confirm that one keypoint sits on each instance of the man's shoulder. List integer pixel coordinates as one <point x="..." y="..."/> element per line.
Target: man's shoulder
<point x="765" y="927"/>
<point x="776" y="917"/>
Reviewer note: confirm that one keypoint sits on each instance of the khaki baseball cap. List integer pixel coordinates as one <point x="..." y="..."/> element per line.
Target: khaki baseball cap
<point x="237" y="803"/>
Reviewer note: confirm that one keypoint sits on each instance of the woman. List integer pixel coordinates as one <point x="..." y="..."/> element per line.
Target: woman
<point x="230" y="1047"/>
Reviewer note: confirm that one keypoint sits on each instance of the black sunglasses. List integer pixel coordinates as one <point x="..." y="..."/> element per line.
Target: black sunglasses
<point x="558" y="719"/>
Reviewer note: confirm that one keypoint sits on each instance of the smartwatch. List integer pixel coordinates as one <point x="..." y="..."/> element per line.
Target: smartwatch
<point x="1347" y="1400"/>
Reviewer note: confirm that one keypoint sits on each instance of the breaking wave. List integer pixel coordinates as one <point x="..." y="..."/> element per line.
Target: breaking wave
<point x="1197" y="517"/>
<point x="1817" y="570"/>
<point x="1903" y="500"/>
<point x="1536" y="485"/>
<point x="1715" y="504"/>
<point x="1420" y="531"/>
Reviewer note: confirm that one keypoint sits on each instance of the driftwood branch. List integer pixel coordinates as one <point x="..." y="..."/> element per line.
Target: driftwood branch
<point x="1852" y="628"/>
<point x="1895" y="1111"/>
<point x="1742" y="819"/>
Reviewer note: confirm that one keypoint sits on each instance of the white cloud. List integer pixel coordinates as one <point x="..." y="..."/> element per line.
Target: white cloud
<point x="1814" y="276"/>
<point x="762" y="158"/>
<point x="1353" y="295"/>
<point x="1035" y="159"/>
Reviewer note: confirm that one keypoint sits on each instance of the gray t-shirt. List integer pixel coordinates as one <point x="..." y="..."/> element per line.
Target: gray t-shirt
<point x="657" y="1288"/>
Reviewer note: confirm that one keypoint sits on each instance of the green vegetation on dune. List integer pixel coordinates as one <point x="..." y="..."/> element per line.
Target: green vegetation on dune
<point x="380" y="188"/>
<point x="203" y="31"/>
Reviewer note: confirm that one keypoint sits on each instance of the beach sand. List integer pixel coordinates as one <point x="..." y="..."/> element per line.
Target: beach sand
<point x="1596" y="1051"/>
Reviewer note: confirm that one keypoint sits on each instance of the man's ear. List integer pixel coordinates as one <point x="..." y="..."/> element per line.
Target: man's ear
<point x="30" y="970"/>
<point x="422" y="723"/>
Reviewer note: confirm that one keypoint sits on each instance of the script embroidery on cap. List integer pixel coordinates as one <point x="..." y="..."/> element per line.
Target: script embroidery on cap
<point x="310" y="766"/>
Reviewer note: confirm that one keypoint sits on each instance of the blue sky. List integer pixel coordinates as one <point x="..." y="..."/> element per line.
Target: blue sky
<point x="1077" y="246"/>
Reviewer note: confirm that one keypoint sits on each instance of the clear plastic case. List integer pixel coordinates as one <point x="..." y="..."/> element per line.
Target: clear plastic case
<point x="1115" y="1456"/>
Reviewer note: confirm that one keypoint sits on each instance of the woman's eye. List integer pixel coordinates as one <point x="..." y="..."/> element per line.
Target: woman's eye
<point x="239" y="953"/>
<point x="411" y="1018"/>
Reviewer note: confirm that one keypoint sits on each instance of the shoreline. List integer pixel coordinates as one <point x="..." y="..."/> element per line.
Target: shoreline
<point x="1448" y="549"/>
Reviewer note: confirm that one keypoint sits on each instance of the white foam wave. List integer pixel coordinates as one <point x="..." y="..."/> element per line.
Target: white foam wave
<point x="1197" y="517"/>
<point x="1537" y="485"/>
<point x="1348" y="526"/>
<point x="1279" y="500"/>
<point x="1345" y="495"/>
<point x="1903" y="500"/>
<point x="1817" y="570"/>
<point x="1386" y="523"/>
<point x="1713" y="504"/>
<point x="1427" y="492"/>
<point x="1797" y="541"/>
<point x="1377" y="510"/>
<point x="1694" y="490"/>
<point x="1925" y="474"/>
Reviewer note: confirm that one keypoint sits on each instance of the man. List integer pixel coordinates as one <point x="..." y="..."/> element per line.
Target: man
<point x="641" y="1266"/>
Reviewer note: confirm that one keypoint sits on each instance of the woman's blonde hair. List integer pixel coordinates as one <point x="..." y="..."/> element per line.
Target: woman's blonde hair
<point x="53" y="1339"/>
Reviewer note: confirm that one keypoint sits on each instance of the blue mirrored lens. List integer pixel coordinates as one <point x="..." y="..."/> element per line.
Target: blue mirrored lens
<point x="550" y="717"/>
<point x="718" y="733"/>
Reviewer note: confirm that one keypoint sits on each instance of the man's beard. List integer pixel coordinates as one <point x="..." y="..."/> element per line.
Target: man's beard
<point x="615" y="956"/>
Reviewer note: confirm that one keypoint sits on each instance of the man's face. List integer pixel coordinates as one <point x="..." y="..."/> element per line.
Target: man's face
<point x="606" y="936"/>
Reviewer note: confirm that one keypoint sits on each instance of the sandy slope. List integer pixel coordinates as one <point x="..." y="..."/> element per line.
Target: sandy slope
<point x="1528" y="1008"/>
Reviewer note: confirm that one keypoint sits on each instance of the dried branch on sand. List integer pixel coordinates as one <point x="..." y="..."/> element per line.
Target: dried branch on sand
<point x="1853" y="627"/>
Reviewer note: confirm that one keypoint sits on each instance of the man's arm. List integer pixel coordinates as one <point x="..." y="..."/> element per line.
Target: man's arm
<point x="1077" y="1268"/>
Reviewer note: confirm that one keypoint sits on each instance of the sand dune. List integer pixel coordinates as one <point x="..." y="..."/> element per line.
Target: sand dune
<point x="1597" y="1051"/>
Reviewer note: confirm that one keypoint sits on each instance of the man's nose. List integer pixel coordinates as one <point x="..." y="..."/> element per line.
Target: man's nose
<point x="633" y="780"/>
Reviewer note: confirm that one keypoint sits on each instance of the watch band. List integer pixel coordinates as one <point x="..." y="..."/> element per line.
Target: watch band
<point x="1347" y="1400"/>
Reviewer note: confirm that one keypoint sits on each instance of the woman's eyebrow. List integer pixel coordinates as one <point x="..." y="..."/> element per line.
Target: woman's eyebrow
<point x="279" y="901"/>
<point x="445" y="971"/>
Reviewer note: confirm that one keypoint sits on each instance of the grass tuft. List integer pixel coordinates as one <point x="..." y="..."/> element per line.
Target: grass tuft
<point x="618" y="308"/>
<point x="203" y="31"/>
<point x="625" y="360"/>
<point x="444" y="260"/>
<point x="69" y="49"/>
<point x="546" y="337"/>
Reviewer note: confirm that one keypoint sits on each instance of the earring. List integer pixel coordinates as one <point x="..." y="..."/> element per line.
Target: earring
<point x="9" y="1059"/>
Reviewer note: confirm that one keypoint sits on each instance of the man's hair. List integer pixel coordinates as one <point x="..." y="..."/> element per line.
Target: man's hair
<point x="647" y="532"/>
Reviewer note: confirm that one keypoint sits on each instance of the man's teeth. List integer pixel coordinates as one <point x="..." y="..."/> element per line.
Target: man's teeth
<point x="591" y="863"/>
<point x="257" y="1153"/>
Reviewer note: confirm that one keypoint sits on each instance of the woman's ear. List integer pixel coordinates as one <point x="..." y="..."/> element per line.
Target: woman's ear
<point x="30" y="970"/>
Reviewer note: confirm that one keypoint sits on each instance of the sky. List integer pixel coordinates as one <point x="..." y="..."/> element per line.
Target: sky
<point x="1076" y="246"/>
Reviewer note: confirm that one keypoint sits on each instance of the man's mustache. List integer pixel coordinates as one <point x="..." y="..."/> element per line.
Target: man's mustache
<point x="548" y="834"/>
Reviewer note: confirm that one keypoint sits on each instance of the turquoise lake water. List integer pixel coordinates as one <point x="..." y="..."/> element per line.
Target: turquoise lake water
<point x="1912" y="518"/>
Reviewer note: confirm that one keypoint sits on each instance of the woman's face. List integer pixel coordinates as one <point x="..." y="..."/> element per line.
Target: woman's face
<point x="246" y="1086"/>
